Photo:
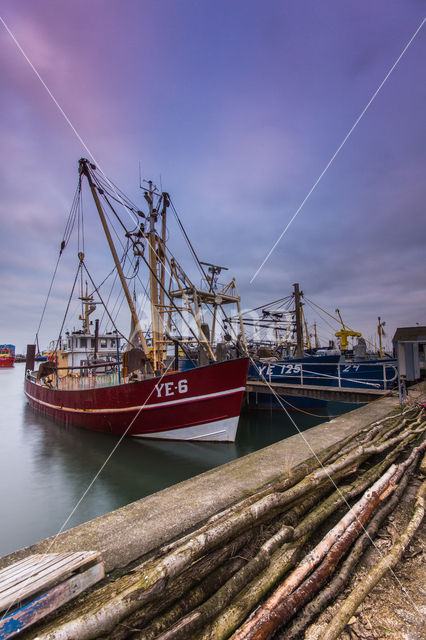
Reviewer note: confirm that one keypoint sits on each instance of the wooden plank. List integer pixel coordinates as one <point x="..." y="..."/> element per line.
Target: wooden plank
<point x="21" y="565"/>
<point x="15" y="622"/>
<point x="55" y="568"/>
<point x="29" y="565"/>
<point x="44" y="564"/>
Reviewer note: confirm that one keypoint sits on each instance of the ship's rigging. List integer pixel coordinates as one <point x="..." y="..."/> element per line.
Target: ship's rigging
<point x="178" y="306"/>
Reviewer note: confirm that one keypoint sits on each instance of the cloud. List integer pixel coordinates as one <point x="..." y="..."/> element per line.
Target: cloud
<point x="234" y="111"/>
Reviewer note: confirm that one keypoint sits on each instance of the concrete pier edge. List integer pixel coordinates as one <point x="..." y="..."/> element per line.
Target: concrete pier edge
<point x="134" y="530"/>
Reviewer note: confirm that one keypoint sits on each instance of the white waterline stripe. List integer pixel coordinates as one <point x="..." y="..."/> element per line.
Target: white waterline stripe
<point x="138" y="407"/>
<point x="339" y="148"/>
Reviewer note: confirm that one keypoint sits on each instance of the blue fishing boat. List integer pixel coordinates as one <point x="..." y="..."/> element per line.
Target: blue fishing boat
<point x="309" y="370"/>
<point x="374" y="373"/>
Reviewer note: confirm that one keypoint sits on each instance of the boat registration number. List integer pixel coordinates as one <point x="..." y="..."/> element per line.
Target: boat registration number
<point x="171" y="388"/>
<point x="279" y="370"/>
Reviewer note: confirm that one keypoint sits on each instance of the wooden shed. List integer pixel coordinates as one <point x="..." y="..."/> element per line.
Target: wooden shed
<point x="410" y="348"/>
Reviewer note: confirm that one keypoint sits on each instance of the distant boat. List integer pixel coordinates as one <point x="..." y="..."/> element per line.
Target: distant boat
<point x="276" y="361"/>
<point x="89" y="381"/>
<point x="7" y="355"/>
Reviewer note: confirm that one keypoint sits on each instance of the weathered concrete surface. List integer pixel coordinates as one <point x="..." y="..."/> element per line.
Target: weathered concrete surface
<point x="132" y="531"/>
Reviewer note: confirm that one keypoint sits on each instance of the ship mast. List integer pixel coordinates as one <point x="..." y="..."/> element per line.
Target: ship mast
<point x="84" y="170"/>
<point x="381" y="332"/>
<point x="89" y="308"/>
<point x="298" y="314"/>
<point x="156" y="253"/>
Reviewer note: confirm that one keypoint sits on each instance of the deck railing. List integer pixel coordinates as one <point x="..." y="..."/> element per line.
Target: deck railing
<point x="374" y="375"/>
<point x="79" y="383"/>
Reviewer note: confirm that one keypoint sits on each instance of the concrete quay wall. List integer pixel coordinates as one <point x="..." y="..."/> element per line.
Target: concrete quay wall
<point x="132" y="531"/>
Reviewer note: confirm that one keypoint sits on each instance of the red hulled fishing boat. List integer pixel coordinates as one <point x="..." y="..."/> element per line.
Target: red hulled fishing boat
<point x="7" y="355"/>
<point x="202" y="403"/>
<point x="157" y="383"/>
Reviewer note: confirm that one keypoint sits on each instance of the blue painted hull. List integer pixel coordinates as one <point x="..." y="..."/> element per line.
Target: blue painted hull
<point x="326" y="371"/>
<point x="310" y="370"/>
<point x="320" y="370"/>
<point x="367" y="374"/>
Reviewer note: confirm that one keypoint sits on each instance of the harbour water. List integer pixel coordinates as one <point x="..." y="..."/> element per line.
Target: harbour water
<point x="46" y="468"/>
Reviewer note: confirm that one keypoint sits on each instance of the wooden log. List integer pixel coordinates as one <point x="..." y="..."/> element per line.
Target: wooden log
<point x="286" y="608"/>
<point x="280" y="610"/>
<point x="210" y="585"/>
<point x="297" y="474"/>
<point x="344" y="493"/>
<point x="370" y="481"/>
<point x="234" y="614"/>
<point x="325" y="596"/>
<point x="359" y="593"/>
<point x="104" y="615"/>
<point x="195" y="574"/>
<point x="281" y="562"/>
<point x="281" y="484"/>
<point x="257" y="626"/>
<point x="193" y="622"/>
<point x="289" y="519"/>
<point x="107" y="608"/>
<point x="320" y="576"/>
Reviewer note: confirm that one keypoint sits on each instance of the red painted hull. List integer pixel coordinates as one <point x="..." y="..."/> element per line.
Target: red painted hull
<point x="7" y="362"/>
<point x="202" y="403"/>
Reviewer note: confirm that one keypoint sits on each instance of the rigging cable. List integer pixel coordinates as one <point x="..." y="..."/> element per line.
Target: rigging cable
<point x="191" y="248"/>
<point x="68" y="306"/>
<point x="102" y="302"/>
<point x="65" y="239"/>
<point x="150" y="269"/>
<point x="96" y="180"/>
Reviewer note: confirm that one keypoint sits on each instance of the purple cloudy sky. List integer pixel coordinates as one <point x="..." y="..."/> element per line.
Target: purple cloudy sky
<point x="238" y="105"/>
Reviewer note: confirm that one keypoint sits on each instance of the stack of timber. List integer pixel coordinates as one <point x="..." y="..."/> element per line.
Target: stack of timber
<point x="267" y="566"/>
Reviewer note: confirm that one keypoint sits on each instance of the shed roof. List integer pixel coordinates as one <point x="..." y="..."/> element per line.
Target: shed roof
<point x="412" y="334"/>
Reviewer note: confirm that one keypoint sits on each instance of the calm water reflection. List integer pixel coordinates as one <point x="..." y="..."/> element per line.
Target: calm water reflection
<point x="45" y="468"/>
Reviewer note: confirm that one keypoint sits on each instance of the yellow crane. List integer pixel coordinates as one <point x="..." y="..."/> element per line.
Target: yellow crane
<point x="345" y="333"/>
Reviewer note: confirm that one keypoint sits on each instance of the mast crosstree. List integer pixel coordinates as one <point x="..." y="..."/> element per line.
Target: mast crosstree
<point x="181" y="296"/>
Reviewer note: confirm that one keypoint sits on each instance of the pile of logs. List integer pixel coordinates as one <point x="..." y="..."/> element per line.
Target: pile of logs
<point x="268" y="565"/>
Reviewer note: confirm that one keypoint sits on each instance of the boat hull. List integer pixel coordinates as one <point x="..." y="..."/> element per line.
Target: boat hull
<point x="367" y="374"/>
<point x="305" y="371"/>
<point x="202" y="404"/>
<point x="7" y="362"/>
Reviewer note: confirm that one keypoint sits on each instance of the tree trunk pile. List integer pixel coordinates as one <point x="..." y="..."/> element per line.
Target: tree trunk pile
<point x="257" y="569"/>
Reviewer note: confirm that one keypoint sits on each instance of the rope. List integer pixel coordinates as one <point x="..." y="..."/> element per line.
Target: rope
<point x="68" y="306"/>
<point x="191" y="248"/>
<point x="47" y="299"/>
<point x="102" y="302"/>
<point x="65" y="239"/>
